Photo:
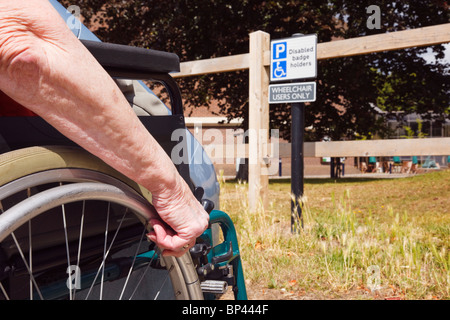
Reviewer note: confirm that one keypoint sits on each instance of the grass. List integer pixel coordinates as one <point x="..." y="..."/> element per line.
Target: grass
<point x="362" y="239"/>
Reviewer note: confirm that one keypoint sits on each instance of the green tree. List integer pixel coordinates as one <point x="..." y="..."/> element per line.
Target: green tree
<point x="348" y="88"/>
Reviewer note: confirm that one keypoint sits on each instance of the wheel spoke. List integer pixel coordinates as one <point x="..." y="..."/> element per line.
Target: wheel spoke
<point x="1" y="285"/>
<point x="132" y="264"/>
<point x="143" y="275"/>
<point x="4" y="291"/>
<point x="104" y="251"/>
<point x="164" y="282"/>
<point x="63" y="211"/>
<point x="30" y="250"/>
<point x="80" y="239"/>
<point x="105" y="255"/>
<point x="30" y="257"/>
<point x="26" y="265"/>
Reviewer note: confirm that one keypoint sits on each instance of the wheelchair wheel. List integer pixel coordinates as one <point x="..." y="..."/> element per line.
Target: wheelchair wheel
<point x="71" y="227"/>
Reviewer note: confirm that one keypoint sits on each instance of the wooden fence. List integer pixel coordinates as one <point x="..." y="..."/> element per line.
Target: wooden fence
<point x="258" y="61"/>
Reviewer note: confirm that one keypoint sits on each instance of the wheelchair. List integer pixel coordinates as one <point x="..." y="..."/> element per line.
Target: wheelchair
<point x="71" y="227"/>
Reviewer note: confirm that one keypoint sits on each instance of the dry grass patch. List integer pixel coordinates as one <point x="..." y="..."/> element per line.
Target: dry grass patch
<point x="357" y="234"/>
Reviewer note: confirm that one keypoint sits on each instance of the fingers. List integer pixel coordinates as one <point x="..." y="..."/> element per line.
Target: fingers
<point x="180" y="223"/>
<point x="166" y="239"/>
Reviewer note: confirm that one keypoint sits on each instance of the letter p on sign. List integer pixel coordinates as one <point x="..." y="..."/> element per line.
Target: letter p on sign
<point x="279" y="50"/>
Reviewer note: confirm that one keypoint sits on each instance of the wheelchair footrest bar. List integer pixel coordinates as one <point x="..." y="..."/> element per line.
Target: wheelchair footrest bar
<point x="214" y="286"/>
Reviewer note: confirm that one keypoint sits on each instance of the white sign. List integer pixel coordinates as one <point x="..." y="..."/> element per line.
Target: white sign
<point x="293" y="58"/>
<point x="292" y="92"/>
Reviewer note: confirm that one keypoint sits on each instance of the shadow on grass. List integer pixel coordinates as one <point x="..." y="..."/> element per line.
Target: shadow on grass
<point x="354" y="179"/>
<point x="330" y="180"/>
<point x="341" y="180"/>
<point x="323" y="180"/>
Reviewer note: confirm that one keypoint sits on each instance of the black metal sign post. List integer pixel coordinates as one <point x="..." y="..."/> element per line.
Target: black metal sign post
<point x="293" y="59"/>
<point x="297" y="164"/>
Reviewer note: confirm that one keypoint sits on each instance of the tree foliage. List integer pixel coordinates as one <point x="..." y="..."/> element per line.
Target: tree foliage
<point x="348" y="88"/>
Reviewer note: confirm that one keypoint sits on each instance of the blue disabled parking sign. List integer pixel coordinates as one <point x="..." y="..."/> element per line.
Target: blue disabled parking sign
<point x="279" y="62"/>
<point x="293" y="58"/>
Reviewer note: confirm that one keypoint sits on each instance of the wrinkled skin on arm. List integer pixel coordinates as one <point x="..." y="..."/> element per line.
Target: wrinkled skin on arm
<point x="46" y="69"/>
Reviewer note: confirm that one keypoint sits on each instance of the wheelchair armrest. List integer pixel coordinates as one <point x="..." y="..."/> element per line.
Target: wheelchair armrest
<point x="132" y="59"/>
<point x="128" y="62"/>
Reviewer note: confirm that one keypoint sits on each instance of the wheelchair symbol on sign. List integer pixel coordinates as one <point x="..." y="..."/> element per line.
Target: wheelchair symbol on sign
<point x="280" y="70"/>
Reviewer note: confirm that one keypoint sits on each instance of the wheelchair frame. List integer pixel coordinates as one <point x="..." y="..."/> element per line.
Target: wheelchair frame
<point x="218" y="263"/>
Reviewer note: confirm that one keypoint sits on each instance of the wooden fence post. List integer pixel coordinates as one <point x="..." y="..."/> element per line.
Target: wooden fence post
<point x="258" y="180"/>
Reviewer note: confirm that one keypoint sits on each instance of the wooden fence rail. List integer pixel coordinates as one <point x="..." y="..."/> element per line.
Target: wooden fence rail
<point x="360" y="148"/>
<point x="420" y="37"/>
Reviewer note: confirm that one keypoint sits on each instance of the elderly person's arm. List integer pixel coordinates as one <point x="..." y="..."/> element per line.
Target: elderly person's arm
<point x="46" y="69"/>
